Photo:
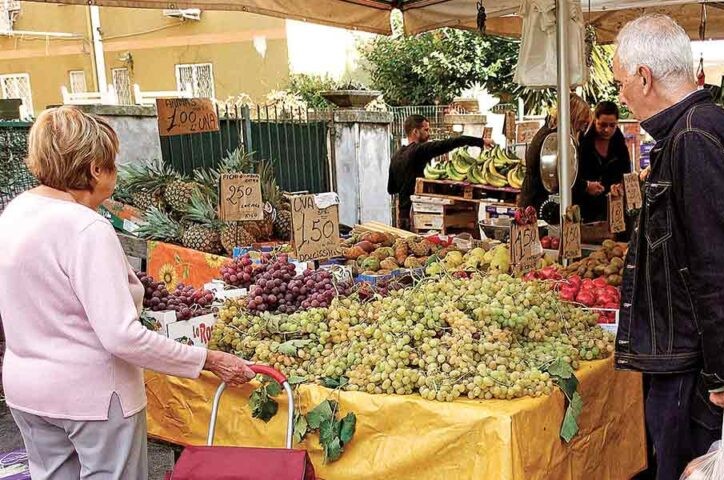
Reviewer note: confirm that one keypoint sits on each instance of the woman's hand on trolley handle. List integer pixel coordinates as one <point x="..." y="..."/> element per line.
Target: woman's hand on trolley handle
<point x="232" y="370"/>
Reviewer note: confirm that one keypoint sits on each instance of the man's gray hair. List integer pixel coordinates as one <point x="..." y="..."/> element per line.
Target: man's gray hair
<point x="658" y="42"/>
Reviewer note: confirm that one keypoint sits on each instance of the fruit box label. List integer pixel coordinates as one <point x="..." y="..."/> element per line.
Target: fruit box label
<point x="196" y="331"/>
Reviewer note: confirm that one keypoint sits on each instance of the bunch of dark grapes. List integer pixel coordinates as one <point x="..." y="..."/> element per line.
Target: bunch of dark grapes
<point x="155" y="295"/>
<point x="191" y="302"/>
<point x="270" y="290"/>
<point x="239" y="272"/>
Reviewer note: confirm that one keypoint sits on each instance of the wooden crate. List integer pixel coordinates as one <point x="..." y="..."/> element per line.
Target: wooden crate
<point x="461" y="191"/>
<point x="432" y="214"/>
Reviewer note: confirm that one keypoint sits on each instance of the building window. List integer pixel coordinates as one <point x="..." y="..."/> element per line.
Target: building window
<point x="17" y="85"/>
<point x="122" y="86"/>
<point x="77" y="81"/>
<point x="198" y="77"/>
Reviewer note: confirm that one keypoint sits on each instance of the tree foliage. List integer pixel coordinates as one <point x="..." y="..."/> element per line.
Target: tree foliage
<point x="308" y="88"/>
<point x="435" y="67"/>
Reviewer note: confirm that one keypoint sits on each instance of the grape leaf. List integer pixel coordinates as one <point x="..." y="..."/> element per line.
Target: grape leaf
<point x="349" y="424"/>
<point x="273" y="388"/>
<point x="296" y="380"/>
<point x="320" y="413"/>
<point x="569" y="427"/>
<point x="300" y="428"/>
<point x="335" y="382"/>
<point x="329" y="430"/>
<point x="568" y="386"/>
<point x="290" y="347"/>
<point x="332" y="450"/>
<point x="262" y="407"/>
<point x="576" y="404"/>
<point x="561" y="369"/>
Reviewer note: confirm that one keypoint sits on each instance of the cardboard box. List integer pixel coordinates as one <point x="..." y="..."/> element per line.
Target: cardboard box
<point x="160" y="320"/>
<point x="196" y="331"/>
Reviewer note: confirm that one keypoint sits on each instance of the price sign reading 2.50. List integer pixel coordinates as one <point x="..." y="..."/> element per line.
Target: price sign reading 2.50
<point x="240" y="197"/>
<point x="315" y="229"/>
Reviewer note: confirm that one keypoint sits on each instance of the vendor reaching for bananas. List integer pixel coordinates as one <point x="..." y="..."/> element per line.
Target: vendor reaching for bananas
<point x="408" y="163"/>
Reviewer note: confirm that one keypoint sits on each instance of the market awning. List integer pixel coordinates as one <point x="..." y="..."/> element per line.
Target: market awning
<point x="422" y="15"/>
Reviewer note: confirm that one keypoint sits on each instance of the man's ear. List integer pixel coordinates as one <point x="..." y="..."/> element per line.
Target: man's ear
<point x="646" y="79"/>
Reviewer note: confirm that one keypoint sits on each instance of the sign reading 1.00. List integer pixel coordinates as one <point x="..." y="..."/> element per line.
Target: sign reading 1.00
<point x="179" y="116"/>
<point x="315" y="229"/>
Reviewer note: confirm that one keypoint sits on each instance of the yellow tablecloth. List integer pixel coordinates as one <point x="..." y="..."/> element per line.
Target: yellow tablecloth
<point x="406" y="437"/>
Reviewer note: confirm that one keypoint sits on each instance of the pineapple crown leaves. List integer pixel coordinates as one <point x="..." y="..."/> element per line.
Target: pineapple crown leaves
<point x="202" y="209"/>
<point x="159" y="226"/>
<point x="150" y="176"/>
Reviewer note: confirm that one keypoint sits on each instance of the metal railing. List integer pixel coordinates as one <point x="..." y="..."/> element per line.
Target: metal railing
<point x="14" y="175"/>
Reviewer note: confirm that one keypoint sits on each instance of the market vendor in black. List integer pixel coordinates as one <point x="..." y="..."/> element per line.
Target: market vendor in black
<point x="409" y="161"/>
<point x="603" y="159"/>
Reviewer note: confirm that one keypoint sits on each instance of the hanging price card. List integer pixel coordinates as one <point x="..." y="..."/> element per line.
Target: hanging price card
<point x="571" y="242"/>
<point x="616" y="219"/>
<point x="633" y="191"/>
<point x="315" y="226"/>
<point x="179" y="116"/>
<point x="524" y="247"/>
<point x="240" y="197"/>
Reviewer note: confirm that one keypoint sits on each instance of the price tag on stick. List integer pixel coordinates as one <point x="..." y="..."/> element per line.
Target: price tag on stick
<point x="179" y="116"/>
<point x="525" y="246"/>
<point x="632" y="190"/>
<point x="616" y="219"/>
<point x="315" y="230"/>
<point x="240" y="197"/>
<point x="571" y="242"/>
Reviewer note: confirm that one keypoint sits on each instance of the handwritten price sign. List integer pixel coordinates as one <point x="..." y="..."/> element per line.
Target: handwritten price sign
<point x="571" y="239"/>
<point x="616" y="219"/>
<point x="240" y="197"/>
<point x="179" y="116"/>
<point x="315" y="230"/>
<point x="633" y="191"/>
<point x="525" y="249"/>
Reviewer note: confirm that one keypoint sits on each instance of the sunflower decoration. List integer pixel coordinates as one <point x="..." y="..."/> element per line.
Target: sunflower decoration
<point x="167" y="274"/>
<point x="214" y="261"/>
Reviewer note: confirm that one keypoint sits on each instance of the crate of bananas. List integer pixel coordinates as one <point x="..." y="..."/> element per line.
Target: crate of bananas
<point x="494" y="167"/>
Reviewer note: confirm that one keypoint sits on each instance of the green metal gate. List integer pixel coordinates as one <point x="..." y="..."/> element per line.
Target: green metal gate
<point x="294" y="140"/>
<point x="14" y="175"/>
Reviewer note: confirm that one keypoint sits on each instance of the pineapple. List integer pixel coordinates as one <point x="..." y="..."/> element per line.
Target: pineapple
<point x="178" y="193"/>
<point x="144" y="183"/>
<point x="203" y="234"/>
<point x="160" y="226"/>
<point x="233" y="234"/>
<point x="283" y="225"/>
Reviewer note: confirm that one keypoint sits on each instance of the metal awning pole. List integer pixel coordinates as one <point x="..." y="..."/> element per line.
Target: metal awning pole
<point x="564" y="103"/>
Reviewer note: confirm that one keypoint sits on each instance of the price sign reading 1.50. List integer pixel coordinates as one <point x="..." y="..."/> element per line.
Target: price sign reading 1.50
<point x="523" y="241"/>
<point x="315" y="230"/>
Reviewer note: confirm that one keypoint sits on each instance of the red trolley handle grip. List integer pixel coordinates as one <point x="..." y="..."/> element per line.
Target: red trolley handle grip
<point x="269" y="372"/>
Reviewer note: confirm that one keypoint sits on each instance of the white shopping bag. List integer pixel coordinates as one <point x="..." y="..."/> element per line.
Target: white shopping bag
<point x="707" y="467"/>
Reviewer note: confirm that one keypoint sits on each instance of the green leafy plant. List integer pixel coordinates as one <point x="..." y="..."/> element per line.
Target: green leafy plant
<point x="563" y="375"/>
<point x="308" y="88"/>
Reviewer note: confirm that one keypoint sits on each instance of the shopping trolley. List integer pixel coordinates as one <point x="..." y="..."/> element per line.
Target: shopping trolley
<point x="242" y="463"/>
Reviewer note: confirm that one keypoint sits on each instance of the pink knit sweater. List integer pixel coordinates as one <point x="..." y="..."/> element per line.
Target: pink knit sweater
<point x="69" y="303"/>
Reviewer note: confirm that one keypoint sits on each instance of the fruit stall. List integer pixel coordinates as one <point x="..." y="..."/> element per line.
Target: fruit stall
<point x="402" y="346"/>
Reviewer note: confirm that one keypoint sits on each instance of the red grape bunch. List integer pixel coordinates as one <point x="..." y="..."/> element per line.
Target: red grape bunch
<point x="239" y="272"/>
<point x="192" y="302"/>
<point x="155" y="295"/>
<point x="270" y="290"/>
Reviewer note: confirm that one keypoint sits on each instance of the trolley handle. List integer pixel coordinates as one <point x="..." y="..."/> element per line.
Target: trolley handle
<point x="269" y="372"/>
<point x="261" y="370"/>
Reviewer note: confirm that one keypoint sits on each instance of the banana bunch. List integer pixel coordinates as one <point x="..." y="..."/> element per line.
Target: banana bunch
<point x="494" y="167"/>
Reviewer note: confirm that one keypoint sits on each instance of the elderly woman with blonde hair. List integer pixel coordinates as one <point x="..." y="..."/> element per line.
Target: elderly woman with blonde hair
<point x="70" y="303"/>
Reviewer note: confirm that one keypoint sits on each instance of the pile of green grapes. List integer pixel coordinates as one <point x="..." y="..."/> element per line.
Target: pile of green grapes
<point x="484" y="337"/>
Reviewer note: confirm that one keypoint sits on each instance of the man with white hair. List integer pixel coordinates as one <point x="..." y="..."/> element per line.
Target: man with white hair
<point x="672" y="306"/>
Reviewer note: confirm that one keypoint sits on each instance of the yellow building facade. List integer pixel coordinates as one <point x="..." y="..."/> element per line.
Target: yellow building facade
<point x="44" y="47"/>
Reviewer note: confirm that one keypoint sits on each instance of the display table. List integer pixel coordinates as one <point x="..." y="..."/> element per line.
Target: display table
<point x="406" y="437"/>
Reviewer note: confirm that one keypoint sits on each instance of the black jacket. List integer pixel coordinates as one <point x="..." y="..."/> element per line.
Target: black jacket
<point x="408" y="163"/>
<point x="533" y="193"/>
<point x="672" y="300"/>
<point x="594" y="168"/>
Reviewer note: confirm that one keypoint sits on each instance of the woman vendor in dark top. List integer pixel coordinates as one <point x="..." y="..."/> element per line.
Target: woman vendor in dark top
<point x="603" y="159"/>
<point x="533" y="193"/>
